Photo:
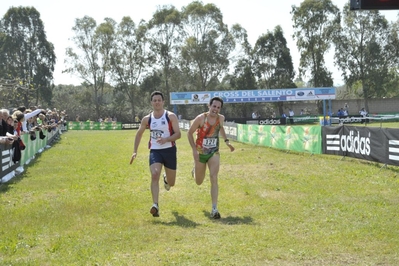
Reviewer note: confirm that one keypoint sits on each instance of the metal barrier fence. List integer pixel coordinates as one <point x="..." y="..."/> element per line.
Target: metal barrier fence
<point x="8" y="168"/>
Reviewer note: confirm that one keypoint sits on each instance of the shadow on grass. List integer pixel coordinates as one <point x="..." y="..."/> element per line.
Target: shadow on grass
<point x="231" y="220"/>
<point x="5" y="186"/>
<point x="379" y="166"/>
<point x="180" y="221"/>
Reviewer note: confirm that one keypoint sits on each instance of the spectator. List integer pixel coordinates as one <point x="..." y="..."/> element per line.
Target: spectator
<point x="344" y="112"/>
<point x="28" y="114"/>
<point x="43" y="120"/>
<point x="19" y="118"/>
<point x="10" y="128"/>
<point x="364" y="115"/>
<point x="346" y="108"/>
<point x="6" y="137"/>
<point x="291" y="115"/>
<point x="3" y="124"/>
<point x="284" y="119"/>
<point x="255" y="115"/>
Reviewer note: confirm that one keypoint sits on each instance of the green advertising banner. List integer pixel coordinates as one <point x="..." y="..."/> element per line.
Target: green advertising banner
<point x="94" y="125"/>
<point x="33" y="146"/>
<point x="294" y="138"/>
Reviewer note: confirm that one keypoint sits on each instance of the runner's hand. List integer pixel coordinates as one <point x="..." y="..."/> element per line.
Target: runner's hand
<point x="133" y="157"/>
<point x="230" y="146"/>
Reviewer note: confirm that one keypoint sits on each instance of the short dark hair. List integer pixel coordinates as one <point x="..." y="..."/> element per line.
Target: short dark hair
<point x="22" y="108"/>
<point x="18" y="115"/>
<point x="216" y="98"/>
<point x="157" y="93"/>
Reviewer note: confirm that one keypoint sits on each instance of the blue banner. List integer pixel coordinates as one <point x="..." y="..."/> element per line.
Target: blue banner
<point x="254" y="96"/>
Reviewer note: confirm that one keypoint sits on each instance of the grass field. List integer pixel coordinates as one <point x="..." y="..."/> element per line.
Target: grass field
<point x="81" y="203"/>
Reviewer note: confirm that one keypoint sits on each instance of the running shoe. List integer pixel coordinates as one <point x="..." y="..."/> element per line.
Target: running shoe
<point x="165" y="183"/>
<point x="154" y="210"/>
<point x="215" y="214"/>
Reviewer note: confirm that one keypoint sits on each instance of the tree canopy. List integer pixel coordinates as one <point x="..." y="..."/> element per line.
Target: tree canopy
<point x="193" y="49"/>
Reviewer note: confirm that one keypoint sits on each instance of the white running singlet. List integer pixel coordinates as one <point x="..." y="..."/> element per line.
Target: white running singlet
<point x="161" y="127"/>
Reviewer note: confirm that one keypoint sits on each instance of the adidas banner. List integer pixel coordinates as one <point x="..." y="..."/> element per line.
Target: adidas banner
<point x="367" y="143"/>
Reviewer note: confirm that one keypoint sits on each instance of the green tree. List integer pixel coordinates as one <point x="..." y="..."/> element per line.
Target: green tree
<point x="391" y="87"/>
<point x="165" y="40"/>
<point x="26" y="56"/>
<point x="273" y="62"/>
<point x="243" y="78"/>
<point x="130" y="60"/>
<point x="72" y="99"/>
<point x="315" y="22"/>
<point x="362" y="52"/>
<point x="207" y="44"/>
<point x="92" y="61"/>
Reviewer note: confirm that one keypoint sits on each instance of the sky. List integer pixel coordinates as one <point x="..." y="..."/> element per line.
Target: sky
<point x="256" y="16"/>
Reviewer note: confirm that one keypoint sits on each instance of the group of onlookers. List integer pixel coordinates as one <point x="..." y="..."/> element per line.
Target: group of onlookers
<point x="100" y="119"/>
<point x="24" y="120"/>
<point x="107" y="119"/>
